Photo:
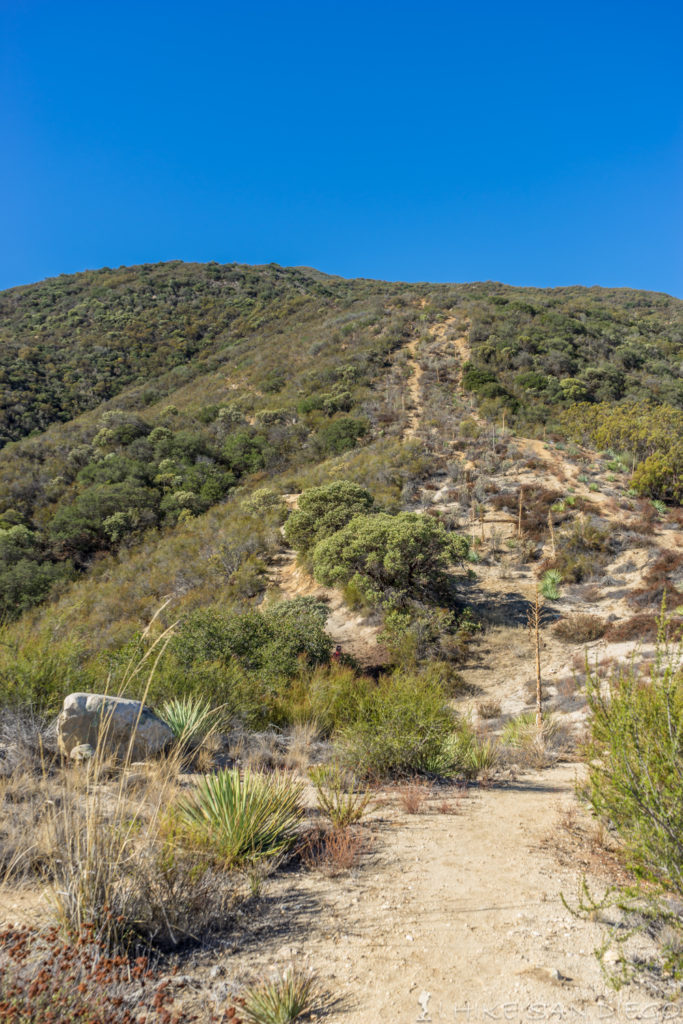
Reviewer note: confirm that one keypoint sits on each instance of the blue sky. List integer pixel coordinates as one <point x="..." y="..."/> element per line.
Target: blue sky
<point x="537" y="144"/>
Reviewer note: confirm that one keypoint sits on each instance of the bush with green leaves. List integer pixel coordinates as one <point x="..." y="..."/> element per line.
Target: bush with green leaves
<point x="420" y="632"/>
<point x="660" y="476"/>
<point x="270" y="642"/>
<point x="264" y="499"/>
<point x="243" y="817"/>
<point x="636" y="763"/>
<point x="387" y="557"/>
<point x="400" y="729"/>
<point x="340" y="435"/>
<point x="464" y="753"/>
<point x="324" y="510"/>
<point x="329" y="696"/>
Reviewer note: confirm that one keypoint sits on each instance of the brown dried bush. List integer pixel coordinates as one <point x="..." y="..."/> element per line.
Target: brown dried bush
<point x="413" y="797"/>
<point x="489" y="708"/>
<point x="581" y="628"/>
<point x="45" y="979"/>
<point x="332" y="850"/>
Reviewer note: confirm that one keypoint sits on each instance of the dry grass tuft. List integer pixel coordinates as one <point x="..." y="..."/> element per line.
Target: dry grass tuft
<point x="413" y="797"/>
<point x="332" y="851"/>
<point x="489" y="709"/>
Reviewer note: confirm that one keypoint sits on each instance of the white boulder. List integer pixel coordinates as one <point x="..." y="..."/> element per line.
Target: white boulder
<point x="109" y="723"/>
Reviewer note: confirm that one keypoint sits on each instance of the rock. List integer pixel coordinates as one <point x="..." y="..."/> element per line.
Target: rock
<point x="89" y="718"/>
<point x="81" y="752"/>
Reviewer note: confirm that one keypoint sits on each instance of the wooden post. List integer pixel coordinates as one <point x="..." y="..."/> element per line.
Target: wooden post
<point x="519" y="514"/>
<point x="552" y="532"/>
<point x="534" y="620"/>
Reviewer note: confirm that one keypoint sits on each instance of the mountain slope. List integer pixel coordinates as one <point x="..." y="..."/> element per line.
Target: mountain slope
<point x="163" y="388"/>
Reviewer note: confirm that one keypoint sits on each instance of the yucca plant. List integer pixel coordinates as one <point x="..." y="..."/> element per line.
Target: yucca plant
<point x="282" y="1001"/>
<point x="340" y="797"/>
<point x="463" y="753"/>
<point x="522" y="731"/>
<point x="189" y="718"/>
<point x="243" y="817"/>
<point x="550" y="583"/>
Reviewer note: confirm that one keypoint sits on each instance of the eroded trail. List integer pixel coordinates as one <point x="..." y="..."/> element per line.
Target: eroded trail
<point x="414" y="390"/>
<point x="355" y="633"/>
<point x="463" y="907"/>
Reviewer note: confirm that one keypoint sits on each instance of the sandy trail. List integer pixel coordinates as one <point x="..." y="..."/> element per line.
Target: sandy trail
<point x="356" y="634"/>
<point x="414" y="391"/>
<point x="464" y="906"/>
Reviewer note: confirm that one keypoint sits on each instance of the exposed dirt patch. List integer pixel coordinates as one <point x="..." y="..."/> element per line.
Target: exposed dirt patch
<point x="356" y="633"/>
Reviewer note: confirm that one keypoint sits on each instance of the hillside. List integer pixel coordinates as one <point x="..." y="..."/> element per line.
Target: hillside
<point x="313" y="543"/>
<point x="134" y="399"/>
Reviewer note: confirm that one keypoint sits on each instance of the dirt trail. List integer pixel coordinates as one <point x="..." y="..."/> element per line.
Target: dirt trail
<point x="464" y="907"/>
<point x="356" y="633"/>
<point x="414" y="389"/>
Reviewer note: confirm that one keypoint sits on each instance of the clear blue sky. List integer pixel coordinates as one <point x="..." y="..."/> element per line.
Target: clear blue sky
<point x="532" y="143"/>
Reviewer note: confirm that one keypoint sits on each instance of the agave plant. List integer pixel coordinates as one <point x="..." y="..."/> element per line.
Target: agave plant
<point x="244" y="817"/>
<point x="282" y="1001"/>
<point x="188" y="718"/>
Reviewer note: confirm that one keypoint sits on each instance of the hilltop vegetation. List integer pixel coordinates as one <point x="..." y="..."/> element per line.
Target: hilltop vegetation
<point x="135" y="400"/>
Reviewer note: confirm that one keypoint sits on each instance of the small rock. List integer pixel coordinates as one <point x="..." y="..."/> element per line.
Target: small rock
<point x="81" y="752"/>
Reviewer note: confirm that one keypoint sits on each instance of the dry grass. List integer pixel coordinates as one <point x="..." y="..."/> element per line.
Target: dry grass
<point x="413" y="797"/>
<point x="333" y="851"/>
<point x="580" y="628"/>
<point x="489" y="709"/>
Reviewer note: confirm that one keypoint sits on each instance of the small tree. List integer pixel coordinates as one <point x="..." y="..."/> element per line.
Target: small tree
<point x="323" y="510"/>
<point x="389" y="557"/>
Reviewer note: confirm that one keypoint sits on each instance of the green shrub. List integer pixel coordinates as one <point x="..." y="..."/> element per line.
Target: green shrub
<point x="401" y="727"/>
<point x="463" y="753"/>
<point x="271" y="641"/>
<point x="264" y="499"/>
<point x="242" y="695"/>
<point x="340" y="435"/>
<point x="38" y="672"/>
<point x="385" y="556"/>
<point x="636" y="764"/>
<point x="660" y="476"/>
<point x="421" y="632"/>
<point x="243" y="818"/>
<point x="328" y="695"/>
<point x="324" y="510"/>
